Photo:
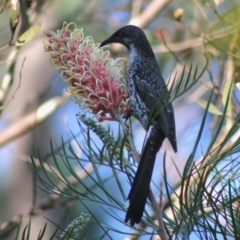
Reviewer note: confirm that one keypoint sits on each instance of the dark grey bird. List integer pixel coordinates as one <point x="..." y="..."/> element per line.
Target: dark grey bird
<point x="150" y="105"/>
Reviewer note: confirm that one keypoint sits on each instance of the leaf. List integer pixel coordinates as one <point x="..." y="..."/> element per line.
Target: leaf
<point x="28" y="35"/>
<point x="14" y="14"/>
<point x="227" y="90"/>
<point x="212" y="108"/>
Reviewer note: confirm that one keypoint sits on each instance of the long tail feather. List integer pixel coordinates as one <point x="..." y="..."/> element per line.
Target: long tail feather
<point x="140" y="187"/>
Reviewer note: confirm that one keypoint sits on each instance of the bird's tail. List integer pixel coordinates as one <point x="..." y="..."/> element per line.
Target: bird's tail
<point x="138" y="194"/>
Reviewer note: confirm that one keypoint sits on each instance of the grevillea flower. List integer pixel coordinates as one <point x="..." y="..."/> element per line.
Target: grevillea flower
<point x="94" y="79"/>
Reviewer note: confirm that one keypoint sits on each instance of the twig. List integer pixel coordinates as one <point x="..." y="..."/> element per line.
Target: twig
<point x="125" y="129"/>
<point x="15" y="91"/>
<point x="158" y="212"/>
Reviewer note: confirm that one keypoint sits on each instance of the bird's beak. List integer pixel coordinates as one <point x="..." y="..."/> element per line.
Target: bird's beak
<point x="105" y="42"/>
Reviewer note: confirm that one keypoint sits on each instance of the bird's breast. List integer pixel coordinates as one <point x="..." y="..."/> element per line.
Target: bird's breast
<point x="138" y="108"/>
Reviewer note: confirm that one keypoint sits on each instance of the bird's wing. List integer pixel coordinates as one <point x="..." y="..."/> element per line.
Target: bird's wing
<point x="156" y="99"/>
<point x="153" y="97"/>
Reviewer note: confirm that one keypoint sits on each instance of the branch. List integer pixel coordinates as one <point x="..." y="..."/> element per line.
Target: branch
<point x="30" y="121"/>
<point x="136" y="7"/>
<point x="149" y="13"/>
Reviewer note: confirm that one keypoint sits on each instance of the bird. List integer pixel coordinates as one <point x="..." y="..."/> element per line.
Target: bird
<point x="150" y="105"/>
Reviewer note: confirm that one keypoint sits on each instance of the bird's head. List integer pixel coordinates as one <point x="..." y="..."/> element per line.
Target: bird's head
<point x="128" y="36"/>
<point x="135" y="40"/>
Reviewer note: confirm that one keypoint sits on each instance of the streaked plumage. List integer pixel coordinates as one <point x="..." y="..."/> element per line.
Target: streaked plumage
<point x="149" y="97"/>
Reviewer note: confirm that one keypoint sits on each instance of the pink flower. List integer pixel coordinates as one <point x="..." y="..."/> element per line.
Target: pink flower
<point x="95" y="80"/>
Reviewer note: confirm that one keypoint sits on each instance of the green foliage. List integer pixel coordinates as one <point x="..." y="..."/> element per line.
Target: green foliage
<point x="28" y="35"/>
<point x="25" y="235"/>
<point x="200" y="203"/>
